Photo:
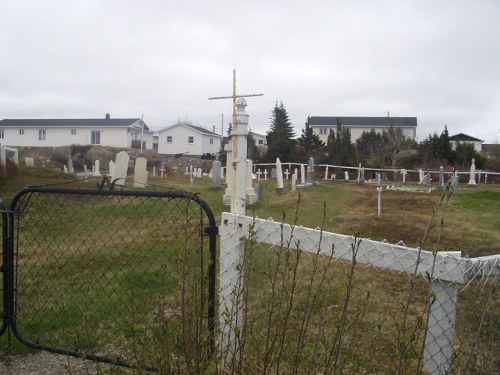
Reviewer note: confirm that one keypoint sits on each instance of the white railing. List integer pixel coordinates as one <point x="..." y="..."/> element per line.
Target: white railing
<point x="446" y="274"/>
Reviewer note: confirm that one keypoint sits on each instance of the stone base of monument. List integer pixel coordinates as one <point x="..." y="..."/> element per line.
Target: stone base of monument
<point x="281" y="191"/>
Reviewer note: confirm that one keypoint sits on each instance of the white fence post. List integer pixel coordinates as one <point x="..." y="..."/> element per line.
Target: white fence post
<point x="441" y="327"/>
<point x="232" y="245"/>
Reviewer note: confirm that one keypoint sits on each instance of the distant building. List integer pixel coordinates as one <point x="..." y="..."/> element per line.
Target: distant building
<point x="464" y="138"/>
<point x="260" y="143"/>
<point x="116" y="132"/>
<point x="321" y="125"/>
<point x="185" y="138"/>
<point x="491" y="151"/>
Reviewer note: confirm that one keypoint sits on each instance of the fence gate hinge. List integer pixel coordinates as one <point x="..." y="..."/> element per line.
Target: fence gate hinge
<point x="211" y="230"/>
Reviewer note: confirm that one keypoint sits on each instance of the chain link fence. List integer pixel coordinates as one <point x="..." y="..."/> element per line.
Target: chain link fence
<point x="126" y="277"/>
<point x="296" y="300"/>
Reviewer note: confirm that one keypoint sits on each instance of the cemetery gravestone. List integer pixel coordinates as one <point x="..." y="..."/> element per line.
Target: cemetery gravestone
<point x="140" y="172"/>
<point x="120" y="169"/>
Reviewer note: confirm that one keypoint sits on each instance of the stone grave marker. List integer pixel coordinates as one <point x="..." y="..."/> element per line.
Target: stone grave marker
<point x="120" y="169"/>
<point x="140" y="172"/>
<point x="216" y="174"/>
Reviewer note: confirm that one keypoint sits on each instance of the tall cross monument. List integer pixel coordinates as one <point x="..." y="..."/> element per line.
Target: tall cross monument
<point x="239" y="148"/>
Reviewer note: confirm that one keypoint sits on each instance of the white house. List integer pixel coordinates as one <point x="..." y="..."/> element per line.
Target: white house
<point x="119" y="132"/>
<point x="260" y="143"/>
<point x="185" y="138"/>
<point x="321" y="125"/>
<point x="464" y="138"/>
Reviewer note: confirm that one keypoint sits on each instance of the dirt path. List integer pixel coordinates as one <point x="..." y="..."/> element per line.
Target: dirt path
<point x="44" y="363"/>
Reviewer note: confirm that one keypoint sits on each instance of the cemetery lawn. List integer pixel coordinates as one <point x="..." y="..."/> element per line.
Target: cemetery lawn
<point x="471" y="223"/>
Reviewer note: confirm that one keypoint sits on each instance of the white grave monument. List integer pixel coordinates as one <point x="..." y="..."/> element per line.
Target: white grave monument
<point x="140" y="172"/>
<point x="472" y="175"/>
<point x="279" y="174"/>
<point x="97" y="166"/>
<point x="250" y="195"/>
<point x="120" y="170"/>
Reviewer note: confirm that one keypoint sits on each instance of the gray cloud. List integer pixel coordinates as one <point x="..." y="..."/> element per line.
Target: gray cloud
<point x="434" y="60"/>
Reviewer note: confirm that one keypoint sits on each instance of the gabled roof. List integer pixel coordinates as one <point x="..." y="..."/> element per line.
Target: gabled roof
<point x="461" y="137"/>
<point x="198" y="129"/>
<point x="93" y="122"/>
<point x="363" y="121"/>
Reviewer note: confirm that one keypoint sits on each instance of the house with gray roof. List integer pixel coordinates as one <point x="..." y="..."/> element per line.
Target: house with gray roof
<point x="465" y="138"/>
<point x="107" y="131"/>
<point x="184" y="138"/>
<point x="322" y="125"/>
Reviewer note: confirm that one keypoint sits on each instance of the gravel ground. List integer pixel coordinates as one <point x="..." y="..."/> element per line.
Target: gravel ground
<point x="44" y="363"/>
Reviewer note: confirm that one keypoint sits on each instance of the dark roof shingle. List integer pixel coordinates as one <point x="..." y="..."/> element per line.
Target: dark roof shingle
<point x="364" y="121"/>
<point x="97" y="122"/>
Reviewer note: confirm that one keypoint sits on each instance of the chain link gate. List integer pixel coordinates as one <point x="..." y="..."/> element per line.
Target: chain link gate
<point x="122" y="277"/>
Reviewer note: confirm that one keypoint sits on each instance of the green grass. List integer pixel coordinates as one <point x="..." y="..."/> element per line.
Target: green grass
<point x="84" y="283"/>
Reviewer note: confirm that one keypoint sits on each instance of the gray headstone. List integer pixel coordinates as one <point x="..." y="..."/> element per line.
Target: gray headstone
<point x="216" y="174"/>
<point x="273" y="173"/>
<point x="70" y="166"/>
<point x="441" y="177"/>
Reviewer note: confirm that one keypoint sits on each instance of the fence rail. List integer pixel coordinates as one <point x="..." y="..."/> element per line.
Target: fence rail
<point x="414" y="303"/>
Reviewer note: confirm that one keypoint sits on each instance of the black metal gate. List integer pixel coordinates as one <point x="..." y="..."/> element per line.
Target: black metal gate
<point x="123" y="277"/>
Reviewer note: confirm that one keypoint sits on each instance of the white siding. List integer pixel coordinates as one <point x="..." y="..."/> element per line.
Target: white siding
<point x="357" y="131"/>
<point x="62" y="136"/>
<point x="180" y="135"/>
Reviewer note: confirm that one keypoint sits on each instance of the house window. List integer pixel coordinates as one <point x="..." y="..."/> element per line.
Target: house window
<point x="1" y="134"/>
<point x="95" y="137"/>
<point x="322" y="130"/>
<point x="21" y="131"/>
<point x="211" y="141"/>
<point x="190" y="140"/>
<point x="261" y="141"/>
<point x="73" y="131"/>
<point x="42" y="134"/>
<point x="169" y="139"/>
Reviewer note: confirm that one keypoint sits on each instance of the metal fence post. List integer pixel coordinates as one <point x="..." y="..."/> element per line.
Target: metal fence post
<point x="441" y="327"/>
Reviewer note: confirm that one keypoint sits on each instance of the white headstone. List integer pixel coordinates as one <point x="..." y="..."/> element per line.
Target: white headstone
<point x="250" y="195"/>
<point x="472" y="175"/>
<point x="111" y="167"/>
<point x="294" y="182"/>
<point x="70" y="166"/>
<point x="420" y="176"/>
<point x="140" y="172"/>
<point x="120" y="170"/>
<point x="96" y="168"/>
<point x="346" y="176"/>
<point x="326" y="172"/>
<point x="302" y="173"/>
<point x="279" y="174"/>
<point x="404" y="172"/>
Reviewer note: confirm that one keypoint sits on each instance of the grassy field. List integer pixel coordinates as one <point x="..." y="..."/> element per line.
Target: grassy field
<point x="308" y="293"/>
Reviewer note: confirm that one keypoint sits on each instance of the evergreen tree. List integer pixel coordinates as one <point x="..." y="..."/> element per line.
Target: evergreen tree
<point x="280" y="137"/>
<point x="369" y="147"/>
<point x="310" y="144"/>
<point x="445" y="152"/>
<point x="341" y="150"/>
<point x="252" y="152"/>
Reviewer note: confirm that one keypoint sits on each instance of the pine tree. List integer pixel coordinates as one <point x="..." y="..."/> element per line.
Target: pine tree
<point x="280" y="137"/>
<point x="309" y="143"/>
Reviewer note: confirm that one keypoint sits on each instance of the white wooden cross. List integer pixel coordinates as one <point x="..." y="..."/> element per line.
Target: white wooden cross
<point x="234" y="97"/>
<point x="286" y="174"/>
<point x="162" y="169"/>
<point x="258" y="174"/>
<point x="265" y="174"/>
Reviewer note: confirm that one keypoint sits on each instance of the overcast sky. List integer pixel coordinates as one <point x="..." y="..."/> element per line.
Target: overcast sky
<point x="437" y="60"/>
